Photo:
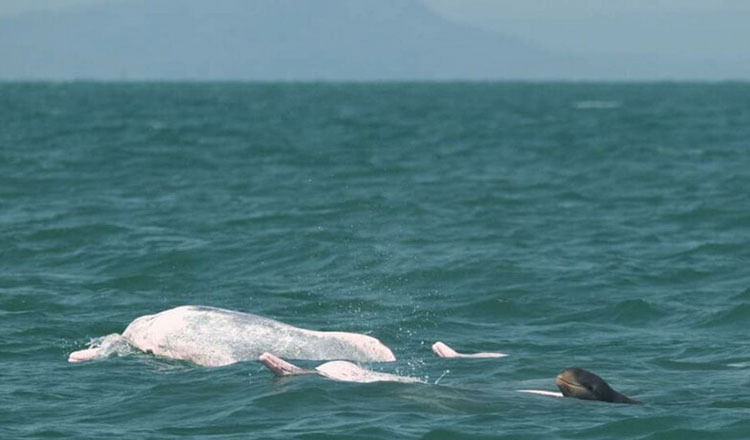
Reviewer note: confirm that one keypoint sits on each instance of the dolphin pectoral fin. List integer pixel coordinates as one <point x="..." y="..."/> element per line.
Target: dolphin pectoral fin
<point x="280" y="367"/>
<point x="443" y="350"/>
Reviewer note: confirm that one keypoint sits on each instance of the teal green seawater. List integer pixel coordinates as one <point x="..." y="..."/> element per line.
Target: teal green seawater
<point x="605" y="226"/>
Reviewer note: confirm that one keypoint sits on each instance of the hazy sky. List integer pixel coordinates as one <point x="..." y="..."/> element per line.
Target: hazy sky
<point x="716" y="28"/>
<point x="713" y="28"/>
<point x="679" y="33"/>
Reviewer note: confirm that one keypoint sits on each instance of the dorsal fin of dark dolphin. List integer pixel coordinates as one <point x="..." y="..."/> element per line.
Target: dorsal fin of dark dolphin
<point x="583" y="384"/>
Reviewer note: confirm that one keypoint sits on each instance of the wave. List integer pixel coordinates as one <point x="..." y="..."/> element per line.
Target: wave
<point x="736" y="317"/>
<point x="628" y="312"/>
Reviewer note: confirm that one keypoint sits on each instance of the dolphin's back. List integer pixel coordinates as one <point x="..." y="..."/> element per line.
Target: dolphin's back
<point x="213" y="337"/>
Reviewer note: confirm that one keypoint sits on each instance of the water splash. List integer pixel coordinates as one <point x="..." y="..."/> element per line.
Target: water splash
<point x="110" y="345"/>
<point x="446" y="372"/>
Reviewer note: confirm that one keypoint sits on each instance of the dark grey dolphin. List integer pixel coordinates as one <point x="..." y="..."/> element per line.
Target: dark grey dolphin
<point x="583" y="384"/>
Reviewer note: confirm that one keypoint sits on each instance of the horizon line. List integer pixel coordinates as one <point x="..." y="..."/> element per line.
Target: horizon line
<point x="4" y="81"/>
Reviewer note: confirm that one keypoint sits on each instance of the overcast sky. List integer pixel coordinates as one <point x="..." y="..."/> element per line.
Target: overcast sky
<point x="682" y="32"/>
<point x="682" y="28"/>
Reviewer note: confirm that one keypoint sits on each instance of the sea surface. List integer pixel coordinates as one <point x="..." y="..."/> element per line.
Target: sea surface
<point x="605" y="226"/>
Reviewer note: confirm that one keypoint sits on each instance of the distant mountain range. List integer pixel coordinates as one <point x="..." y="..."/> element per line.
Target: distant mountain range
<point x="263" y="40"/>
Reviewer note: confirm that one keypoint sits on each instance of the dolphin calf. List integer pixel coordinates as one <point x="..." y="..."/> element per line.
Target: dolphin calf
<point x="343" y="371"/>
<point x="213" y="337"/>
<point x="583" y="384"/>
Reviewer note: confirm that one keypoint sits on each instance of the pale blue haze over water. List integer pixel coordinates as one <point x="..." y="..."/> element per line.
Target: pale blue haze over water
<point x="605" y="226"/>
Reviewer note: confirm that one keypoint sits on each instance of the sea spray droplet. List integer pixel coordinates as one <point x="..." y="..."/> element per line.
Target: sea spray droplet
<point x="442" y="376"/>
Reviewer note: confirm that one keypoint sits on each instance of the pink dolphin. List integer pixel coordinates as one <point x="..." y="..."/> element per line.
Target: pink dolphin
<point x="341" y="371"/>
<point x="214" y="337"/>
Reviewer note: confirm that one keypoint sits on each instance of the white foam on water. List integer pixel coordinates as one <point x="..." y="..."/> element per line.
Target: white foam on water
<point x="596" y="105"/>
<point x="739" y="365"/>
